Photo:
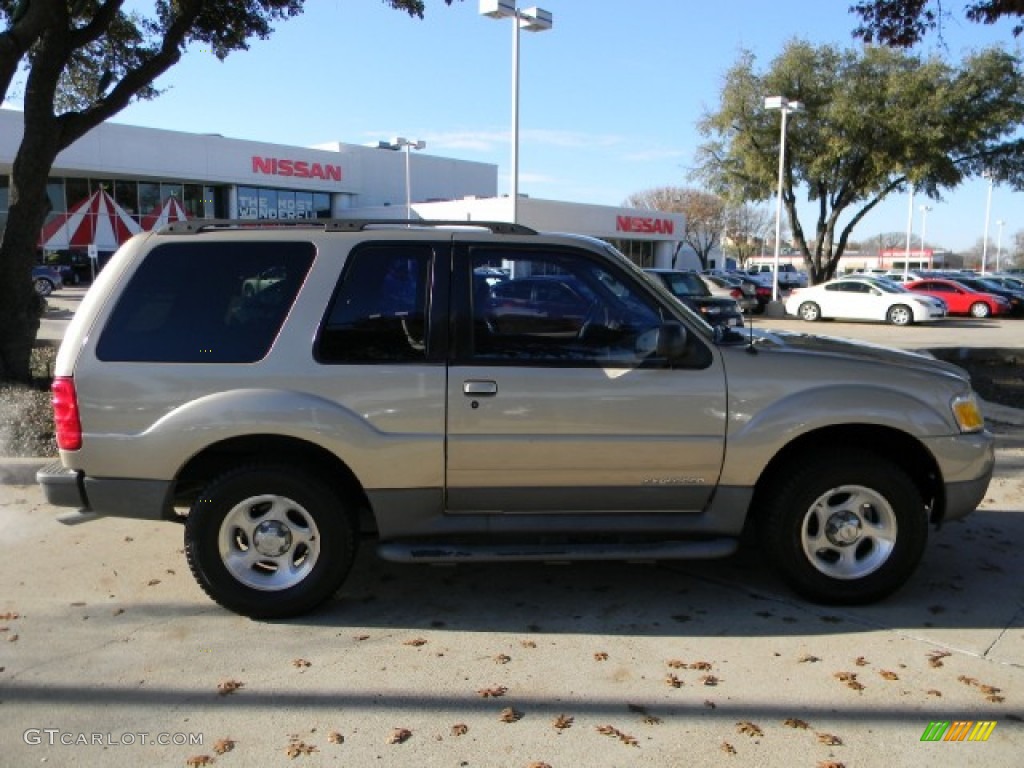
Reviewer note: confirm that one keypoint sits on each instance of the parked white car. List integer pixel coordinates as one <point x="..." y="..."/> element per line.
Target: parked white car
<point x="864" y="298"/>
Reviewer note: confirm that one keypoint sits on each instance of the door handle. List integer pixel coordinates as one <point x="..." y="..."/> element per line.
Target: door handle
<point x="479" y="388"/>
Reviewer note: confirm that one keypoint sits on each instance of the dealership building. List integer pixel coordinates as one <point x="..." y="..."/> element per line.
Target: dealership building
<point x="120" y="179"/>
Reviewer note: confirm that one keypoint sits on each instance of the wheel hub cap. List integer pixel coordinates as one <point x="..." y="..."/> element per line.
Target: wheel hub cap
<point x="843" y="529"/>
<point x="272" y="538"/>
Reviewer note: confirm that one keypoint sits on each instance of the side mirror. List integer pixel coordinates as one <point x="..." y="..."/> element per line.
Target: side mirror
<point x="672" y="341"/>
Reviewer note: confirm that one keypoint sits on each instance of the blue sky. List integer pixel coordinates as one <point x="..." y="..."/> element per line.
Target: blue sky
<point x="609" y="98"/>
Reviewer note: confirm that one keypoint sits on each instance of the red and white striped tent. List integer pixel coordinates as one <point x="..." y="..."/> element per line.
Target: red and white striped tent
<point x="98" y="220"/>
<point x="171" y="210"/>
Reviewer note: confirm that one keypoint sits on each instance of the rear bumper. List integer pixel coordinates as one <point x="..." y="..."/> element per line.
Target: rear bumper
<point x="106" y="496"/>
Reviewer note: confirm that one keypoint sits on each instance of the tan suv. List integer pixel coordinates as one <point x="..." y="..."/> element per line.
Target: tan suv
<point x="391" y="378"/>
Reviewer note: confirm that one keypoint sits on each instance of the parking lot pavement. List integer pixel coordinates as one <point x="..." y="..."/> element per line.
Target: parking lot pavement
<point x="105" y="638"/>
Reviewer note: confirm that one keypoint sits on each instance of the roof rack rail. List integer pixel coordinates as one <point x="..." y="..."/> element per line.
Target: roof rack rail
<point x="196" y="226"/>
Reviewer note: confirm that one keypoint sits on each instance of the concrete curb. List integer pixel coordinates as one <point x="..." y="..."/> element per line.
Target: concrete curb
<point x="21" y="471"/>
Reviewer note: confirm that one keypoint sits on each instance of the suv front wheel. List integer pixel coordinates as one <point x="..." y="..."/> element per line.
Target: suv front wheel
<point x="269" y="542"/>
<point x="846" y="529"/>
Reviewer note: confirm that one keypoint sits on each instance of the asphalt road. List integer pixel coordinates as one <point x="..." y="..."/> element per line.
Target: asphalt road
<point x="107" y="647"/>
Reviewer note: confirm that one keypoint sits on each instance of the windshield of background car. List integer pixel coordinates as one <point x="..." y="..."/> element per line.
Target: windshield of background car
<point x="206" y="302"/>
<point x="684" y="284"/>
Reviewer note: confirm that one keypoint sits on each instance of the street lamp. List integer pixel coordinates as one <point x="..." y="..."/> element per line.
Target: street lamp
<point x="999" y="242"/>
<point x="988" y="213"/>
<point x="409" y="144"/>
<point x="910" y="226"/>
<point x="785" y="106"/>
<point x="532" y="20"/>
<point x="924" y="224"/>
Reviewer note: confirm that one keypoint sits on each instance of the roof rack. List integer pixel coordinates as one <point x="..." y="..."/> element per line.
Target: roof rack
<point x="197" y="226"/>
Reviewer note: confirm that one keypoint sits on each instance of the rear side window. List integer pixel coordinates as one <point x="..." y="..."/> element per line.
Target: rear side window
<point x="380" y="308"/>
<point x="210" y="302"/>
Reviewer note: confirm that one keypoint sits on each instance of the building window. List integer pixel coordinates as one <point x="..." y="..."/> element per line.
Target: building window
<point x="322" y="205"/>
<point x="126" y="194"/>
<point x="149" y="197"/>
<point x="193" y="201"/>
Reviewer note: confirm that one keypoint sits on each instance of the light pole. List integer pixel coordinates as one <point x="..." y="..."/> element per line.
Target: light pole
<point x="988" y="213"/>
<point x="999" y="242"/>
<point x="924" y="224"/>
<point x="910" y="226"/>
<point x="532" y="20"/>
<point x="397" y="143"/>
<point x="785" y="106"/>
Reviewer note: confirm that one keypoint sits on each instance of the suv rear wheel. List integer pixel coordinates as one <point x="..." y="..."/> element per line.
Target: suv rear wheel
<point x="269" y="542"/>
<point x="846" y="530"/>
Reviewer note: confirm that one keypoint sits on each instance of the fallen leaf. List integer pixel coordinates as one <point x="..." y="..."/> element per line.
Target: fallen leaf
<point x="996" y="699"/>
<point x="934" y="692"/>
<point x="297" y="748"/>
<point x="460" y="729"/>
<point x="728" y="748"/>
<point x="229" y="686"/>
<point x="399" y="735"/>
<point x="844" y="677"/>
<point x="510" y="715"/>
<point x="223" y="746"/>
<point x="198" y="760"/>
<point x="794" y="722"/>
<point x="9" y="616"/>
<point x="709" y="704"/>
<point x="674" y="681"/>
<point x="600" y="656"/>
<point x="749" y="728"/>
<point x="676" y="664"/>
<point x="967" y="680"/>
<point x="117" y="611"/>
<point x="830" y="739"/>
<point x="416" y="642"/>
<point x="527" y="643"/>
<point x="493" y="692"/>
<point x="152" y="582"/>
<point x="935" y="658"/>
<point x="335" y="738"/>
<point x="989" y="689"/>
<point x="830" y="764"/>
<point x="361" y="637"/>
<point x="625" y="738"/>
<point x="710" y="680"/>
<point x="888" y="675"/>
<point x="12" y="638"/>
<point x="538" y="765"/>
<point x="562" y="722"/>
<point x="701" y="665"/>
<point x="860" y="661"/>
<point x="808" y="658"/>
<point x="301" y="663"/>
<point x="501" y="658"/>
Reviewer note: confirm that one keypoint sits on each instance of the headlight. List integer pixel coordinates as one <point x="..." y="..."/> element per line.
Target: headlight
<point x="711" y="310"/>
<point x="967" y="412"/>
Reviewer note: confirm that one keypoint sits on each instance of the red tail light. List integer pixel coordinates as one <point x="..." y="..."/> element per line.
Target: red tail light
<point x="736" y="293"/>
<point x="65" y="414"/>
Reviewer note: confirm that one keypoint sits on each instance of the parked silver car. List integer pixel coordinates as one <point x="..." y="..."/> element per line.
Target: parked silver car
<point x="392" y="378"/>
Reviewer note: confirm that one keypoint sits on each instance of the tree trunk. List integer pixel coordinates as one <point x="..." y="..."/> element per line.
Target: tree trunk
<point x="20" y="308"/>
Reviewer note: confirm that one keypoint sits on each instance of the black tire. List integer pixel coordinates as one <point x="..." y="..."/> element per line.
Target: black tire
<point x="809" y="311"/>
<point x="980" y="310"/>
<point x="307" y="541"/>
<point x="900" y="314"/>
<point x="865" y="547"/>
<point x="43" y="287"/>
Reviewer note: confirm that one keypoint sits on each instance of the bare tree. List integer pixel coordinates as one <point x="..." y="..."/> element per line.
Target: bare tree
<point x="703" y="212"/>
<point x="749" y="229"/>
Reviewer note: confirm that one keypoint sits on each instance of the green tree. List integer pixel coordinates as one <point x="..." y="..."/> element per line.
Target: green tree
<point x="902" y="23"/>
<point x="84" y="61"/>
<point x="873" y="122"/>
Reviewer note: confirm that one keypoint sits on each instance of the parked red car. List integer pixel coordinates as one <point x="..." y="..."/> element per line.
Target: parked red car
<point x="960" y="299"/>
